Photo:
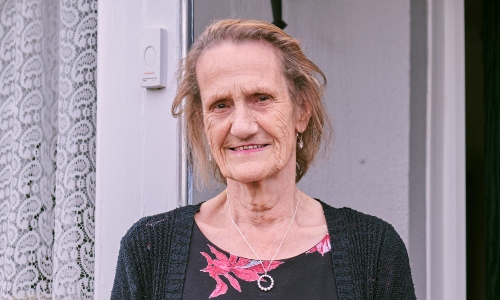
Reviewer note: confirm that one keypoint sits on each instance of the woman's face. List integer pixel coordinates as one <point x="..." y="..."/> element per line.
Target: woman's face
<point x="250" y="120"/>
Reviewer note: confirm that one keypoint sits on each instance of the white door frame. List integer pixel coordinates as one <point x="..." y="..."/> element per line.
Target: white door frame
<point x="445" y="224"/>
<point x="138" y="160"/>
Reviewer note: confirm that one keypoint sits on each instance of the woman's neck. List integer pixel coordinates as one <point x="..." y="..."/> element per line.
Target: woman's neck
<point x="261" y="204"/>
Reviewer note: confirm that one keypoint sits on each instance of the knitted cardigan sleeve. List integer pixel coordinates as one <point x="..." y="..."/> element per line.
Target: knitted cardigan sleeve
<point x="393" y="278"/>
<point x="377" y="257"/>
<point x="133" y="268"/>
<point x="153" y="256"/>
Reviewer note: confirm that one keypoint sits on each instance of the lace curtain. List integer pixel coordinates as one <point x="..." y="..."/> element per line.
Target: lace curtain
<point x="47" y="148"/>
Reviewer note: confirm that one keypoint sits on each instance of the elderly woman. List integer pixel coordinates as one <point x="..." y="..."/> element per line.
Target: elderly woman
<point x="255" y="119"/>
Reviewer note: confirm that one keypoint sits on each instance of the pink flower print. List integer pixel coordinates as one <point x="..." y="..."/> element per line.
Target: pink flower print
<point x="242" y="268"/>
<point x="322" y="247"/>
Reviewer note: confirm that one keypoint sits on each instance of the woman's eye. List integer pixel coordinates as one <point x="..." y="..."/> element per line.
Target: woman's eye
<point x="219" y="105"/>
<point x="264" y="98"/>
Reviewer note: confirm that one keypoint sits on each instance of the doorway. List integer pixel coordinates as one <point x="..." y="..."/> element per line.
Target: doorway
<point x="475" y="159"/>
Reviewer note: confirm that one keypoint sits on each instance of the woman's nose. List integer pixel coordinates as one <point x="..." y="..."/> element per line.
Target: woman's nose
<point x="243" y="122"/>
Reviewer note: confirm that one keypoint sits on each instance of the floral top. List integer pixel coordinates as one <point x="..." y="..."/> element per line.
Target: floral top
<point x="214" y="273"/>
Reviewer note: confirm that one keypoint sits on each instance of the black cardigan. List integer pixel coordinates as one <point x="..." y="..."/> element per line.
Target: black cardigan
<point x="369" y="258"/>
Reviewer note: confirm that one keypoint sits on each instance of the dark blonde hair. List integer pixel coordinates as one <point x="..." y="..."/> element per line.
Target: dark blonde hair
<point x="306" y="84"/>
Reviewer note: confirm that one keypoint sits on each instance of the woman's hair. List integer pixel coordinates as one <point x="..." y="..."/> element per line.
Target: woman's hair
<point x="306" y="83"/>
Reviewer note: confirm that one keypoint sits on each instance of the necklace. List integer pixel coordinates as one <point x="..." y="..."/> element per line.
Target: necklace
<point x="265" y="275"/>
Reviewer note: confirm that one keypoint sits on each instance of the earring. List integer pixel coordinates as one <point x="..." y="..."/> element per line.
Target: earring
<point x="210" y="157"/>
<point x="301" y="142"/>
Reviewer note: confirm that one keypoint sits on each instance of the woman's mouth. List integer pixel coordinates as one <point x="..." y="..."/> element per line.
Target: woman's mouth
<point x="248" y="147"/>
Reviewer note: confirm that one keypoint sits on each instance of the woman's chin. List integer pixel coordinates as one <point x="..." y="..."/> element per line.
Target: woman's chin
<point x="248" y="175"/>
<point x="246" y="178"/>
<point x="258" y="171"/>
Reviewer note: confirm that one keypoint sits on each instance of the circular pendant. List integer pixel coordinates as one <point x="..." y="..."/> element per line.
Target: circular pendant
<point x="262" y="278"/>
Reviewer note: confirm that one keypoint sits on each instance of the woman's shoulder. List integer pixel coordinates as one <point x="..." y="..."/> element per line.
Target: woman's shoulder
<point x="366" y="246"/>
<point x="360" y="220"/>
<point x="150" y="225"/>
<point x="360" y="225"/>
<point x="146" y="252"/>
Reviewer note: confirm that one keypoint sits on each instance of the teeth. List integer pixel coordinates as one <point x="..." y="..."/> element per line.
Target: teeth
<point x="248" y="147"/>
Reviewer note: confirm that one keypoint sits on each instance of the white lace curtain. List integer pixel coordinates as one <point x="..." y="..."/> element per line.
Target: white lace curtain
<point x="47" y="148"/>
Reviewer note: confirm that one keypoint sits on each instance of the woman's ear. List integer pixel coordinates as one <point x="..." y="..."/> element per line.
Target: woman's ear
<point x="303" y="114"/>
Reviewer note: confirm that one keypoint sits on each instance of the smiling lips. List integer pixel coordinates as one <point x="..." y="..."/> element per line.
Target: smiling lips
<point x="248" y="147"/>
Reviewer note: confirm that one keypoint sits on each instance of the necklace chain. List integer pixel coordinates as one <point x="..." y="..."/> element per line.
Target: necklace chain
<point x="277" y="250"/>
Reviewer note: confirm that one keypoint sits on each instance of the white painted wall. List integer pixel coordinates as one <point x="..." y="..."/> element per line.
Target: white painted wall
<point x="364" y="49"/>
<point x="137" y="148"/>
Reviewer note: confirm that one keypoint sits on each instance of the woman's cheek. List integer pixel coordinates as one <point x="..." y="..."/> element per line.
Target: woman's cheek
<point x="279" y="156"/>
<point x="215" y="133"/>
<point x="285" y="127"/>
<point x="209" y="127"/>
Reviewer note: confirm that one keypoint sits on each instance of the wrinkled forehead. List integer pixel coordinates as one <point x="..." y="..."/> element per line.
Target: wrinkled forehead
<point x="238" y="65"/>
<point x="244" y="45"/>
